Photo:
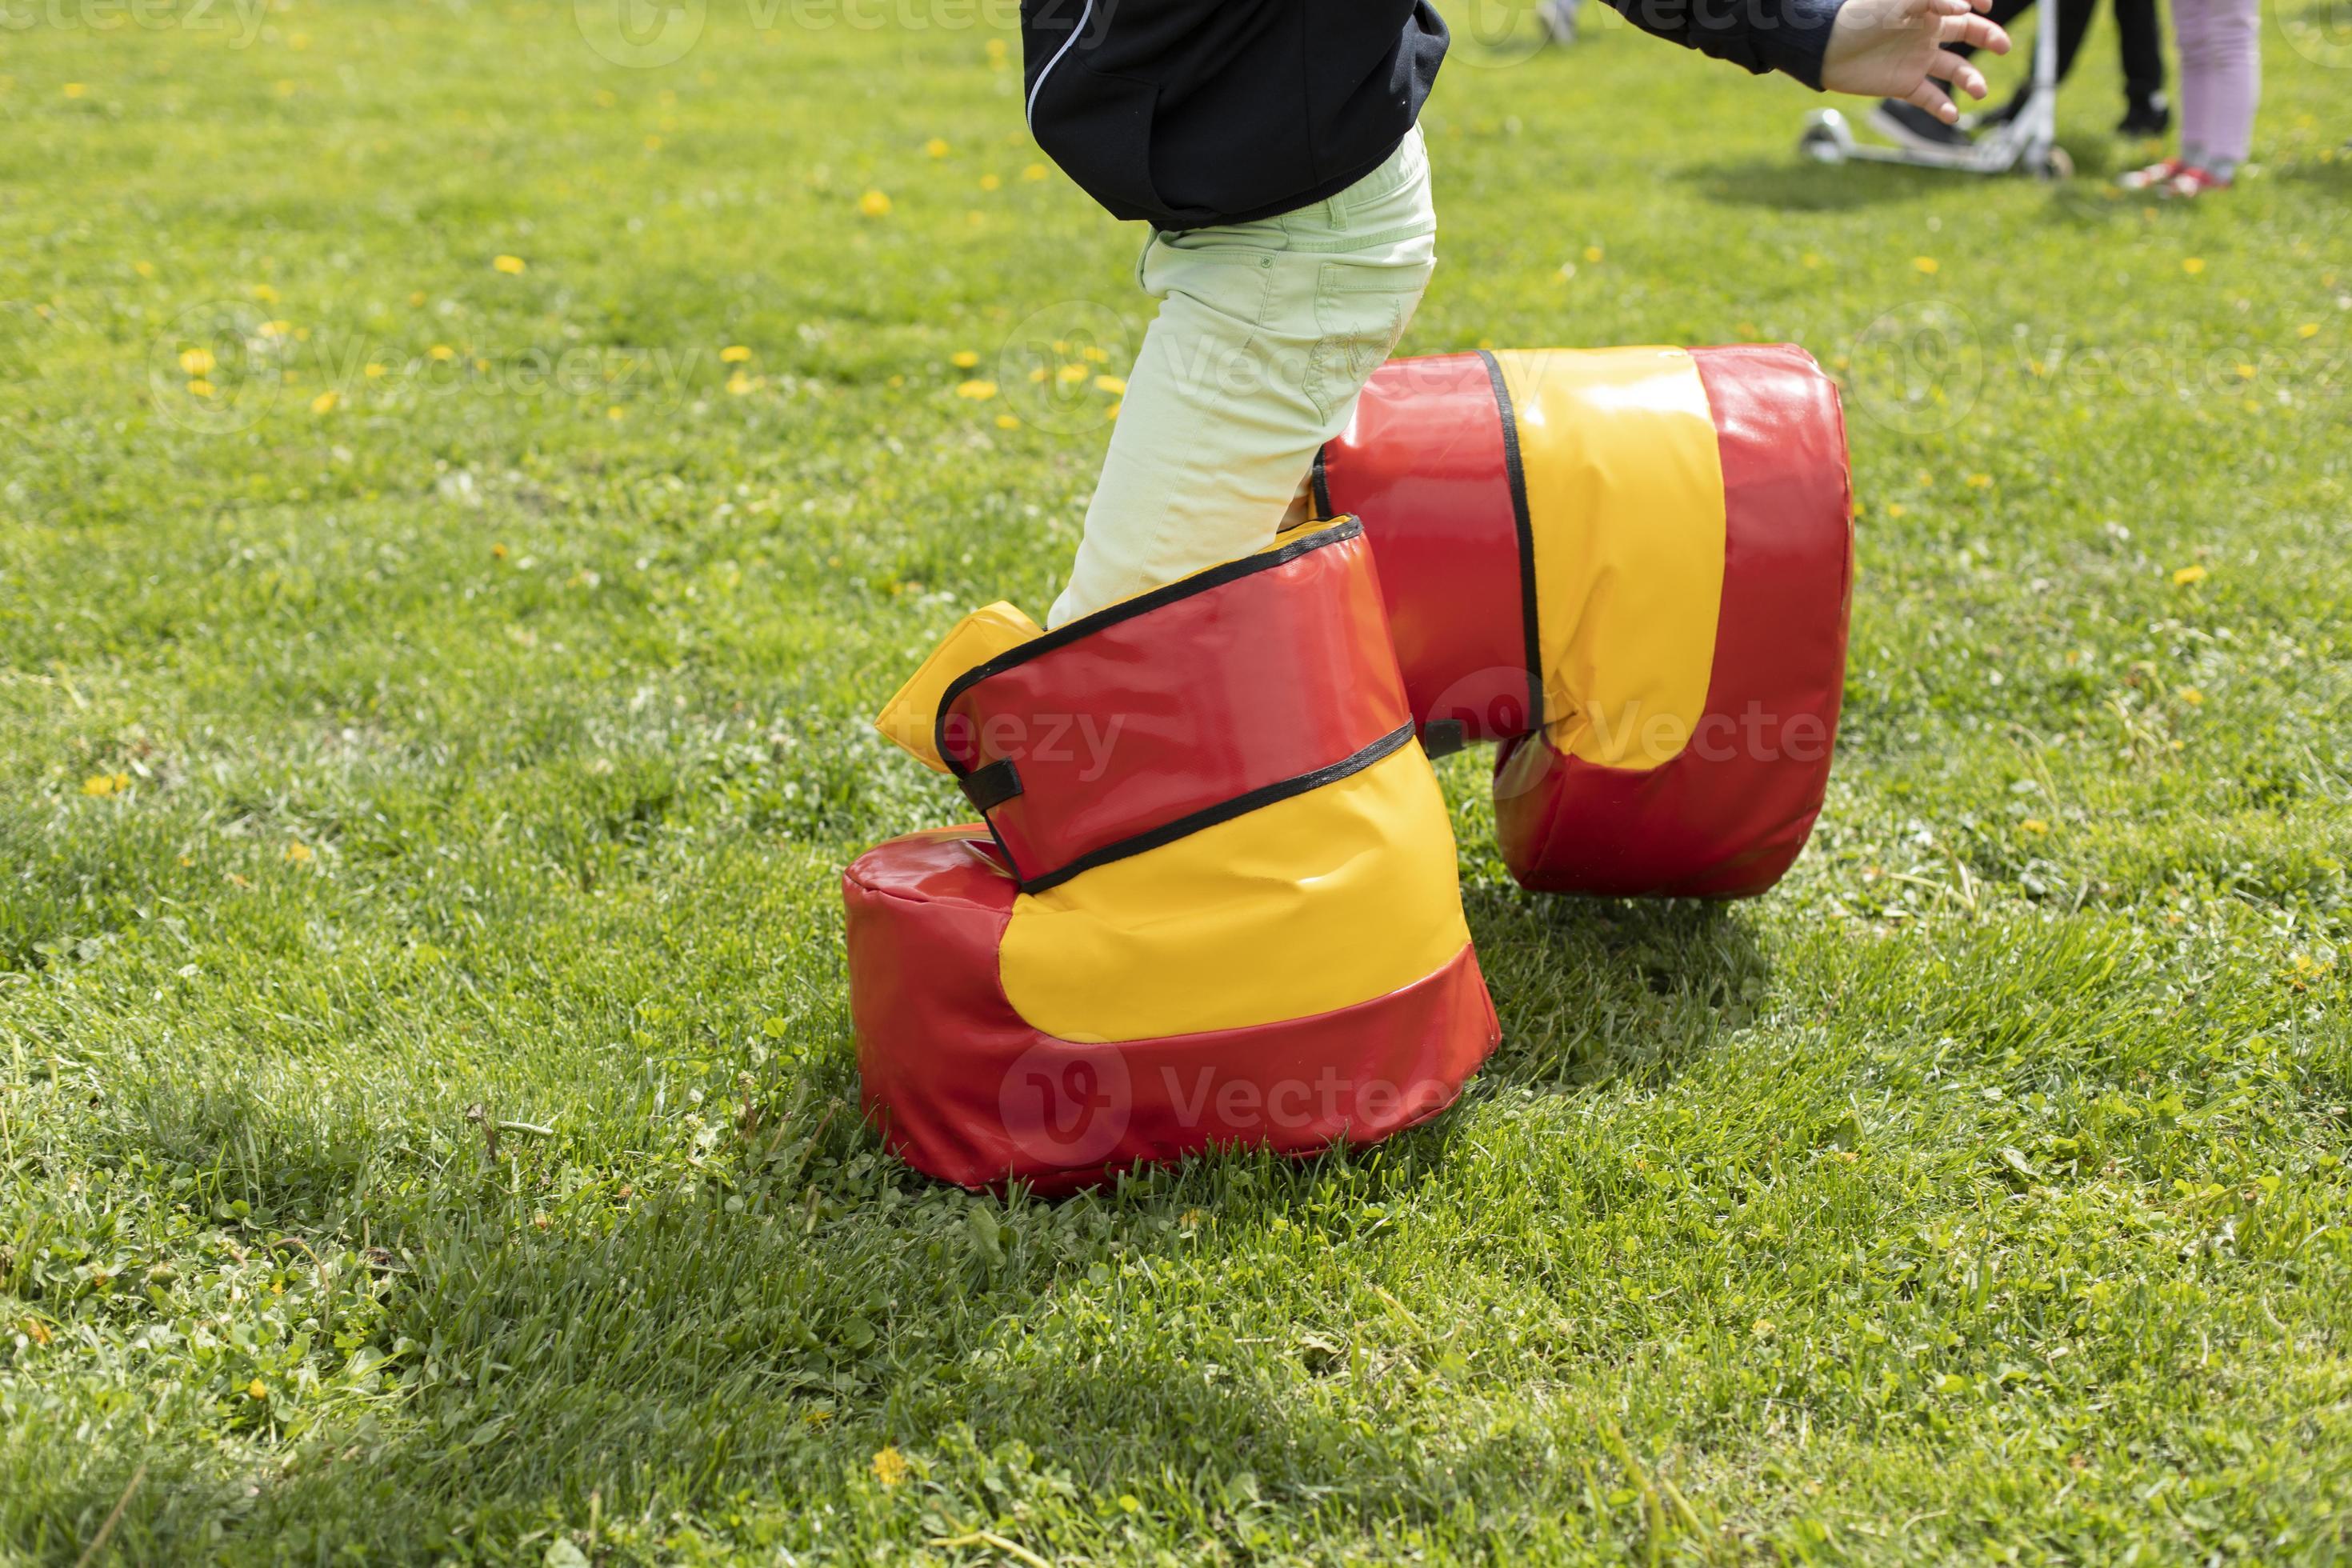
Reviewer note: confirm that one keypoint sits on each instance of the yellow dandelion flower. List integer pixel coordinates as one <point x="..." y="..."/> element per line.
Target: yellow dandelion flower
<point x="2192" y="265"/>
<point x="895" y="383"/>
<point x="442" y="352"/>
<point x="653" y="144"/>
<point x="874" y="203"/>
<point x="37" y="1331"/>
<point x="936" y="147"/>
<point x="325" y="402"/>
<point x="298" y="853"/>
<point x="1038" y="372"/>
<point x="964" y="359"/>
<point x="991" y="183"/>
<point x="2034" y="826"/>
<point x="889" y="1465"/>
<point x="1594" y="253"/>
<point x="197" y="362"/>
<point x="200" y="387"/>
<point x="996" y="49"/>
<point x="2308" y="329"/>
<point x="1928" y="264"/>
<point x="977" y="391"/>
<point x="2187" y="574"/>
<point x="103" y="785"/>
<point x="1896" y="509"/>
<point x="75" y="89"/>
<point x="1034" y="172"/>
<point x="1092" y="354"/>
<point x="735" y="353"/>
<point x="373" y="371"/>
<point x="616" y="413"/>
<point x="2247" y="373"/>
<point x="1811" y="258"/>
<point x="276" y="329"/>
<point x="147" y="269"/>
<point x="509" y="265"/>
<point x="1111" y="384"/>
<point x="1007" y="422"/>
<point x="1762" y="1328"/>
<point x="256" y="1390"/>
<point x="265" y="293"/>
<point x="416" y="299"/>
<point x="2190" y="695"/>
<point x="1112" y="412"/>
<point x="1071" y="374"/>
<point x="1979" y="481"/>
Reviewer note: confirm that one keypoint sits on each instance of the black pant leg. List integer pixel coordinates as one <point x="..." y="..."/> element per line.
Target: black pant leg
<point x="2139" y="29"/>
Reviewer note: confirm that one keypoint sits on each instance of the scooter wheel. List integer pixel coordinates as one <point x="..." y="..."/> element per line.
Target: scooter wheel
<point x="2054" y="164"/>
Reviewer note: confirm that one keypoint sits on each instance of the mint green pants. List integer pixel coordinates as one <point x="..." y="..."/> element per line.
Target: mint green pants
<point x="1266" y="333"/>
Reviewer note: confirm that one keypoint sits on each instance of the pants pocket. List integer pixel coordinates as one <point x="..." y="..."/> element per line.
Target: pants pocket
<point x="1361" y="309"/>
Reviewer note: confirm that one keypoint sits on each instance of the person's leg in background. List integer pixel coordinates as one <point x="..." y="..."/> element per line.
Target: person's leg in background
<point x="1266" y="333"/>
<point x="2074" y="17"/>
<point x="1909" y="123"/>
<point x="2220" y="84"/>
<point x="2139" y="34"/>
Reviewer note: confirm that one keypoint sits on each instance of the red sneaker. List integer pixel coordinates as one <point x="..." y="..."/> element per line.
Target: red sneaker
<point x="2193" y="181"/>
<point x="2155" y="175"/>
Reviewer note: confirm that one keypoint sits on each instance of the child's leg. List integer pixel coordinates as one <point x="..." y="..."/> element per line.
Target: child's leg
<point x="1266" y="333"/>
<point x="2221" y="81"/>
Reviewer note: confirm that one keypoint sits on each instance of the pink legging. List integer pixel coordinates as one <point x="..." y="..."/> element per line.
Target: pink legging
<point x="2220" y="79"/>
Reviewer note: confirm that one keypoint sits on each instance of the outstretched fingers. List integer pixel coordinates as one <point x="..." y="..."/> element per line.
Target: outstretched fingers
<point x="1968" y="27"/>
<point x="1932" y="99"/>
<point x="1955" y="69"/>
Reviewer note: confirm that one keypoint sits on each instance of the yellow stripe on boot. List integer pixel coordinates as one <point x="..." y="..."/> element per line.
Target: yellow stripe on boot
<point x="1624" y="491"/>
<point x="1321" y="901"/>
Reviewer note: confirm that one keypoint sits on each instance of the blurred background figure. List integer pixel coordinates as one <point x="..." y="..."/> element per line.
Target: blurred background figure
<point x="2139" y="32"/>
<point x="2220" y="85"/>
<point x="1559" y="19"/>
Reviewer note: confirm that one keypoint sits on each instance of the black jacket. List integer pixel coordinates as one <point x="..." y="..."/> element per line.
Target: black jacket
<point x="1185" y="113"/>
<point x="1191" y="112"/>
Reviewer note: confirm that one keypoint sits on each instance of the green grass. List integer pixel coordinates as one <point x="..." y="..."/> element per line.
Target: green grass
<point x="1979" y="1194"/>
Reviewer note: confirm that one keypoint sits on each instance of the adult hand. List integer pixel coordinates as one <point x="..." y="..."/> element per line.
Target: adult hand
<point x="1898" y="48"/>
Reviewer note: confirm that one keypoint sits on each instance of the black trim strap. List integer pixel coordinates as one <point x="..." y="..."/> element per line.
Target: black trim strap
<point x="1125" y="610"/>
<point x="1322" y="482"/>
<point x="1443" y="737"/>
<point x="1527" y="595"/>
<point x="990" y="787"/>
<point x="1240" y="805"/>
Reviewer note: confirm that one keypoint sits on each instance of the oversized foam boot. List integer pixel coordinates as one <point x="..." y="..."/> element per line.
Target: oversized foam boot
<point x="1632" y="567"/>
<point x="1214" y="901"/>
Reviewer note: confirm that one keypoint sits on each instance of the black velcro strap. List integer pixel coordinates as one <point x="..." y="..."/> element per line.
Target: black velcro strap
<point x="990" y="787"/>
<point x="1443" y="737"/>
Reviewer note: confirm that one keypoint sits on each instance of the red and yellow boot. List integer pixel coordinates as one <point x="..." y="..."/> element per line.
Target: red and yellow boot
<point x="1633" y="568"/>
<point x="1214" y="901"/>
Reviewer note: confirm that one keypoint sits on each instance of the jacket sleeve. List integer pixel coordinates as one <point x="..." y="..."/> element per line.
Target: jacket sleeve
<point x="1761" y="35"/>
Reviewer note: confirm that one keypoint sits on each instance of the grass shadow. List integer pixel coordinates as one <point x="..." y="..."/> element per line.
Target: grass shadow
<point x="1797" y="184"/>
<point x="1596" y="991"/>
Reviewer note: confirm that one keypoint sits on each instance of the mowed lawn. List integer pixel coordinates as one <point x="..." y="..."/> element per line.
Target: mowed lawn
<point x="432" y="721"/>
